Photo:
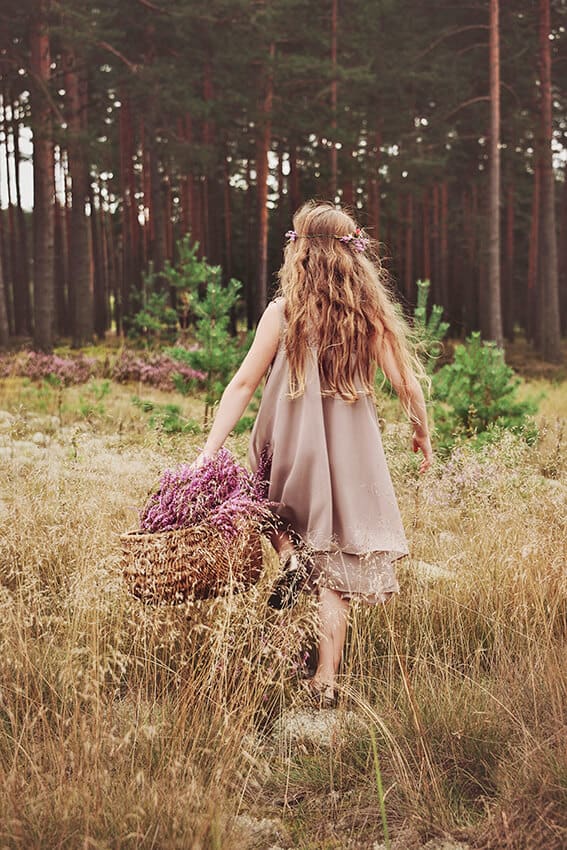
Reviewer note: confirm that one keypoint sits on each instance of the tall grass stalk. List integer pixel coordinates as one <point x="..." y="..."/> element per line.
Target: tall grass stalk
<point x="380" y="789"/>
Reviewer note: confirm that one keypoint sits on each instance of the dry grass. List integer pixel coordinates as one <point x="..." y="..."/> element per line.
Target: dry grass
<point x="128" y="727"/>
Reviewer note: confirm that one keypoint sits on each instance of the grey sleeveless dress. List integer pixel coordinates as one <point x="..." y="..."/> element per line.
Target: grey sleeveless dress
<point x="330" y="482"/>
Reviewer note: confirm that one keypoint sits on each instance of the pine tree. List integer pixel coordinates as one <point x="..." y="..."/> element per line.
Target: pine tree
<point x="44" y="216"/>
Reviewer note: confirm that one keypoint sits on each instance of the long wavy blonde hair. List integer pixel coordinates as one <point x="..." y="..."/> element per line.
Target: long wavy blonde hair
<point x="337" y="301"/>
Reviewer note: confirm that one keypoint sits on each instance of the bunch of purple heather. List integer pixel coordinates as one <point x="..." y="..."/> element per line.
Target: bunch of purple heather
<point x="220" y="492"/>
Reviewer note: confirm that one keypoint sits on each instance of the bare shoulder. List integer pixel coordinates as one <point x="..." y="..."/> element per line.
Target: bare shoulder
<point x="269" y="328"/>
<point x="273" y="318"/>
<point x="272" y="314"/>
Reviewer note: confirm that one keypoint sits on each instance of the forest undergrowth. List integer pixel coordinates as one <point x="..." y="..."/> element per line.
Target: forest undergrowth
<point x="123" y="726"/>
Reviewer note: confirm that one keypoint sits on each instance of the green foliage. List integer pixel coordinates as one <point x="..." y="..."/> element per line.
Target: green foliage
<point x="246" y="423"/>
<point x="166" y="418"/>
<point x="186" y="278"/>
<point x="429" y="330"/>
<point x="218" y="353"/>
<point x="203" y="310"/>
<point x="92" y="398"/>
<point x="476" y="397"/>
<point x="167" y="298"/>
<point x="156" y="320"/>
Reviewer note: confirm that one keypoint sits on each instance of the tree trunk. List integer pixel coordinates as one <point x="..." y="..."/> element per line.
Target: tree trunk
<point x="550" y="334"/>
<point x="185" y="131"/>
<point x="61" y="270"/>
<point x="262" y="148"/>
<point x="100" y="300"/>
<point x="3" y="254"/>
<point x="23" y="256"/>
<point x="509" y="310"/>
<point x="468" y="301"/>
<point x="435" y="292"/>
<point x="227" y="222"/>
<point x="374" y="192"/>
<point x="294" y="189"/>
<point x="208" y="136"/>
<point x="399" y="250"/>
<point x="532" y="323"/>
<point x="80" y="257"/>
<point x="111" y="263"/>
<point x="249" y="226"/>
<point x="408" y="265"/>
<point x="122" y="295"/>
<point x="21" y="326"/>
<point x="334" y="99"/>
<point x="4" y="329"/>
<point x="348" y="184"/>
<point x="43" y="219"/>
<point x="426" y="239"/>
<point x="157" y="217"/>
<point x="493" y="301"/>
<point x="563" y="257"/>
<point x="446" y="298"/>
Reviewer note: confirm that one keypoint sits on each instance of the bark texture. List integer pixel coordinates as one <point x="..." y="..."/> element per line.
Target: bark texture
<point x="44" y="218"/>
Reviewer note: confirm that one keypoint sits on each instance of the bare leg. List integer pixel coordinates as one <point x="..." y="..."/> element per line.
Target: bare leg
<point x="333" y="618"/>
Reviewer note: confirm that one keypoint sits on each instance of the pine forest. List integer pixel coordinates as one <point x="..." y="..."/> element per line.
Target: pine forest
<point x="443" y="125"/>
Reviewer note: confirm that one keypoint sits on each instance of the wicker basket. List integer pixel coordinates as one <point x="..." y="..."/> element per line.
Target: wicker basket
<point x="196" y="562"/>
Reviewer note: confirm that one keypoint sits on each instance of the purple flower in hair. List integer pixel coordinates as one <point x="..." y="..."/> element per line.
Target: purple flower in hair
<point x="291" y="236"/>
<point x="359" y="242"/>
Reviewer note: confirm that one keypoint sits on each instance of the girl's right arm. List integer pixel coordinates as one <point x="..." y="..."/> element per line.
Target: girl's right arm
<point x="240" y="390"/>
<point x="411" y="396"/>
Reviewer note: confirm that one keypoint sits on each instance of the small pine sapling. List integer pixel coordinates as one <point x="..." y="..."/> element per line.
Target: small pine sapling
<point x="155" y="322"/>
<point x="218" y="353"/>
<point x="431" y="330"/>
<point x="166" y="299"/>
<point x="186" y="281"/>
<point x="476" y="397"/>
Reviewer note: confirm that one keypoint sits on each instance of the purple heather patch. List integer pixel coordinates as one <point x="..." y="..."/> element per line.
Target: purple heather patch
<point x="220" y="492"/>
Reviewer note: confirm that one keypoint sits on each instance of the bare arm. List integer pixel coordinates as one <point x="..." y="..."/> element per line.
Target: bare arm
<point x="240" y="390"/>
<point x="411" y="396"/>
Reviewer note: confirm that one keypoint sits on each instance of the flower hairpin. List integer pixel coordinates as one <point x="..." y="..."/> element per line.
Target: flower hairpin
<point x="356" y="239"/>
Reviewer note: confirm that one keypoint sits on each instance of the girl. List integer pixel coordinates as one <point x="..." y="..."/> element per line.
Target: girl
<point x="322" y="339"/>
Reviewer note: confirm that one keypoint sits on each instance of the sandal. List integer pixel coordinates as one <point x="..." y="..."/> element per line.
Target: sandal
<point x="296" y="573"/>
<point x="320" y="695"/>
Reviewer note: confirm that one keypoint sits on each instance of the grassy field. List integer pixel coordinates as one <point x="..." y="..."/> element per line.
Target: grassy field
<point x="128" y="727"/>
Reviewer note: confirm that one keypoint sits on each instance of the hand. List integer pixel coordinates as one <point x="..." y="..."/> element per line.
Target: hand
<point x="422" y="441"/>
<point x="201" y="458"/>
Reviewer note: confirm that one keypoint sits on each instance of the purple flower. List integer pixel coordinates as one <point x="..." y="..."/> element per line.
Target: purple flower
<point x="220" y="492"/>
<point x="155" y="369"/>
<point x="291" y="235"/>
<point x="359" y="242"/>
<point x="37" y="366"/>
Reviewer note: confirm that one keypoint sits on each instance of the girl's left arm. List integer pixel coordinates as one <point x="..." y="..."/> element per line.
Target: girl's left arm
<point x="240" y="390"/>
<point x="411" y="396"/>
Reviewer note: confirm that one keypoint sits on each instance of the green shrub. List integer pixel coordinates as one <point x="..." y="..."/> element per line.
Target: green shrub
<point x="475" y="397"/>
<point x="166" y="301"/>
<point x="218" y="353"/>
<point x="166" y="417"/>
<point x="429" y="331"/>
<point x="156" y="320"/>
